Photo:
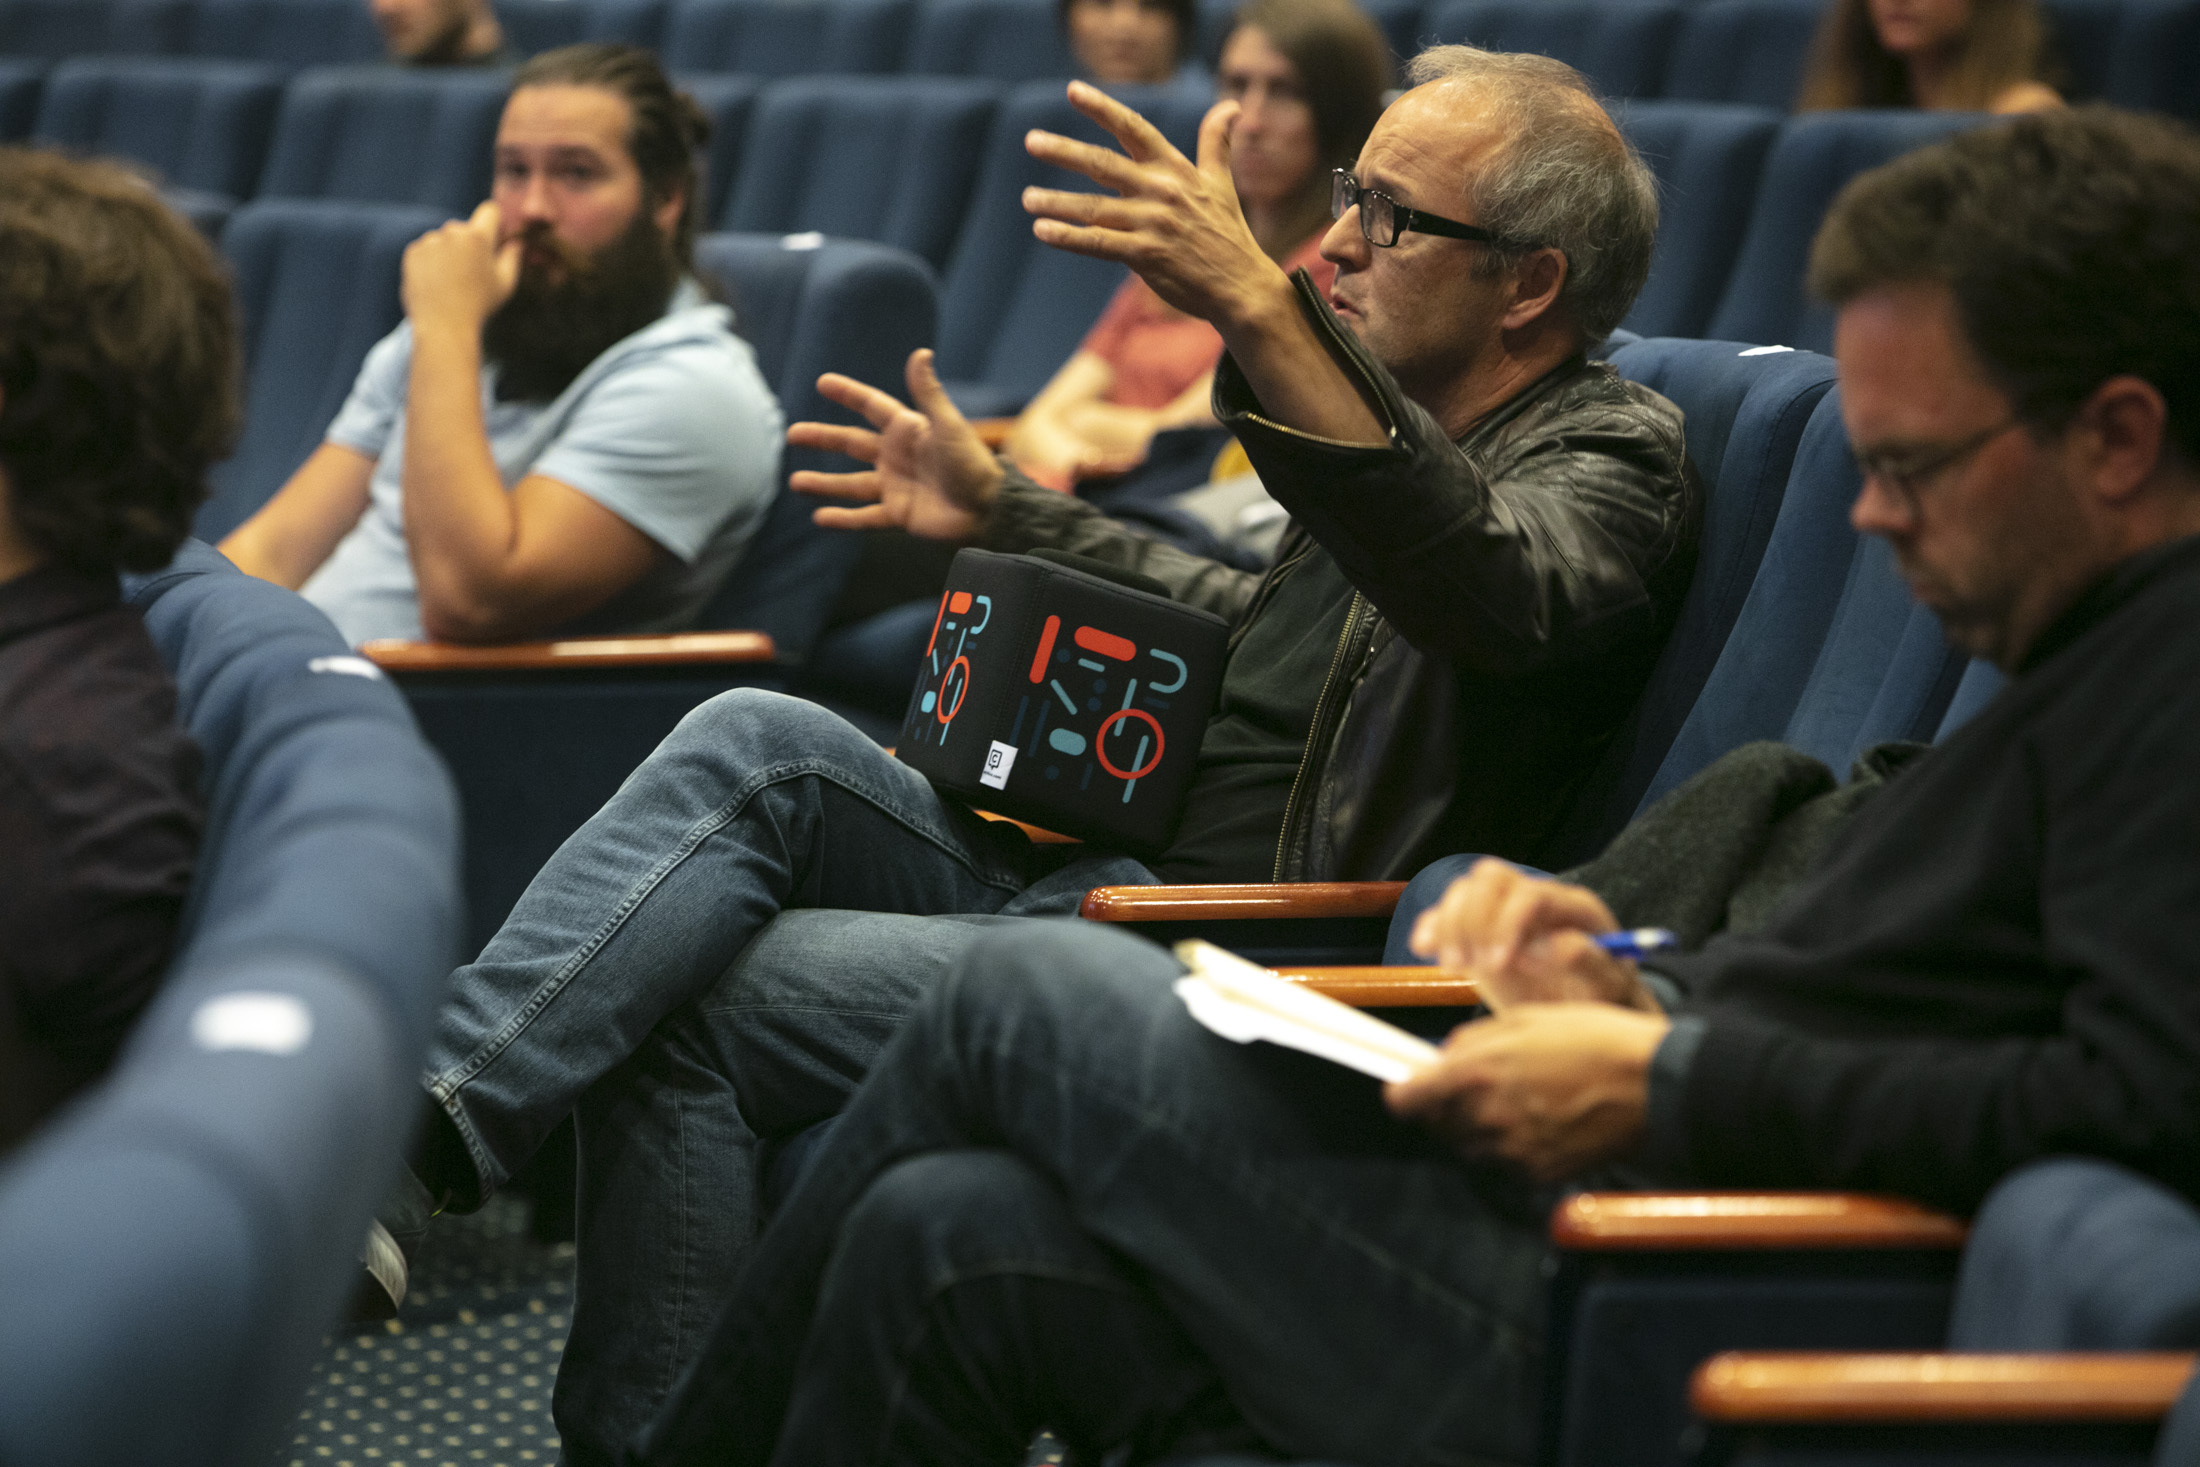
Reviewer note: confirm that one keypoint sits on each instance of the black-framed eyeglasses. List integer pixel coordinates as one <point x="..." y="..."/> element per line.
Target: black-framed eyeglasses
<point x="1383" y="218"/>
<point x="1907" y="474"/>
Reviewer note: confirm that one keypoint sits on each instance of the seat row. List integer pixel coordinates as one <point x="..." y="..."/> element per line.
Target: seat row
<point x="2138" y="53"/>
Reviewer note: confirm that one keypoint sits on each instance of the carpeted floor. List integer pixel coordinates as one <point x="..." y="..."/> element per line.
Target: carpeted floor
<point x="462" y="1375"/>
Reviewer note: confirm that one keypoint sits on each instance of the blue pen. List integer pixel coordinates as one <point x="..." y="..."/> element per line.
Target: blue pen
<point x="1638" y="943"/>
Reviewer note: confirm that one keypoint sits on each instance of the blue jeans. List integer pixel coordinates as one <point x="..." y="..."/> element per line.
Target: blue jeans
<point x="624" y="987"/>
<point x="1355" y="1291"/>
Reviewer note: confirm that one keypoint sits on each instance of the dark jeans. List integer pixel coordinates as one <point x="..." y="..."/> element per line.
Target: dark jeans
<point x="1051" y="1145"/>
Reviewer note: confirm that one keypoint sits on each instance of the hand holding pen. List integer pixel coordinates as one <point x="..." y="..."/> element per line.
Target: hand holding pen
<point x="1527" y="938"/>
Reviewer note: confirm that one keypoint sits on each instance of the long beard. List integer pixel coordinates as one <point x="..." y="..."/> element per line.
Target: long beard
<point x="548" y="332"/>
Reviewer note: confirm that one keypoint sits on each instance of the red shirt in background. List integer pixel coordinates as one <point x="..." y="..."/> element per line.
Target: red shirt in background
<point x="1158" y="351"/>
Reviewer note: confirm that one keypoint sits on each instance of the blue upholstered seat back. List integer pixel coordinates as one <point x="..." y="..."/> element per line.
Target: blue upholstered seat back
<point x="173" y="1247"/>
<point x="292" y="32"/>
<point x="532" y="26"/>
<point x="1814" y="155"/>
<point x="1708" y="157"/>
<point x="1013" y="310"/>
<point x="57" y="29"/>
<point x="841" y="306"/>
<point x="729" y="101"/>
<point x="198" y="124"/>
<point x="1008" y="40"/>
<point x="892" y="159"/>
<point x="789" y="37"/>
<point x="1620" y="47"/>
<point x="1742" y="51"/>
<point x="377" y="134"/>
<point x="1829" y="653"/>
<point x="316" y="287"/>
<point x="1745" y="417"/>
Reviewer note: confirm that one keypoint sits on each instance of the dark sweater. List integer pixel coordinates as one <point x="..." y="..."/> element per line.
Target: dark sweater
<point x="2000" y="958"/>
<point x="99" y="822"/>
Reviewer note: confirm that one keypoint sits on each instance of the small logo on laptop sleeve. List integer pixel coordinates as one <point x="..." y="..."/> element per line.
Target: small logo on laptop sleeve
<point x="999" y="759"/>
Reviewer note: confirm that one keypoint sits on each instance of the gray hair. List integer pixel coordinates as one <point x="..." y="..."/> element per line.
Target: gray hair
<point x="1567" y="179"/>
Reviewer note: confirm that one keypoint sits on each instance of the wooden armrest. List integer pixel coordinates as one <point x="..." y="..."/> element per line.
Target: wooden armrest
<point x="701" y="648"/>
<point x="1040" y="835"/>
<point x="1265" y="899"/>
<point x="1609" y="1222"/>
<point x="1784" y="1386"/>
<point x="993" y="432"/>
<point x="1387" y="988"/>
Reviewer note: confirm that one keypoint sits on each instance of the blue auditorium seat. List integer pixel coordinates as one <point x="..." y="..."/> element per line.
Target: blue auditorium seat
<point x="892" y="159"/>
<point x="1814" y="155"/>
<point x="287" y="32"/>
<point x="173" y="1247"/>
<point x="1709" y="158"/>
<point x="57" y="29"/>
<point x="536" y="756"/>
<point x="20" y="83"/>
<point x="1981" y="681"/>
<point x="1830" y="652"/>
<point x="1621" y="47"/>
<point x="199" y="125"/>
<point x="1008" y="40"/>
<point x="728" y="101"/>
<point x="535" y="26"/>
<point x="789" y="37"/>
<point x="1742" y="51"/>
<point x="2152" y="65"/>
<point x="1013" y="309"/>
<point x="316" y="286"/>
<point x="1745" y="416"/>
<point x="377" y="134"/>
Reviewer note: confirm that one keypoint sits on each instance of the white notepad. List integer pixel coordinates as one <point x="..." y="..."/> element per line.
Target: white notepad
<point x="1243" y="1002"/>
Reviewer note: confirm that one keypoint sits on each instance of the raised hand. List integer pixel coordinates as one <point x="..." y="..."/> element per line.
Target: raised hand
<point x="1527" y="939"/>
<point x="1175" y="222"/>
<point x="929" y="474"/>
<point x="457" y="274"/>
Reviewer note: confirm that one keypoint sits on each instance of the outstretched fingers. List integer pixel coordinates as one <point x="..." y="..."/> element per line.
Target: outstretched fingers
<point x="878" y="408"/>
<point x="856" y="443"/>
<point x="925" y="391"/>
<point x="1103" y="166"/>
<point x="863" y="484"/>
<point x="1214" y="143"/>
<point x="1140" y="138"/>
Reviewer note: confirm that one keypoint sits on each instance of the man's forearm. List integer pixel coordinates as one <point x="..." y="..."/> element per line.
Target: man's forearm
<point x="459" y="525"/>
<point x="1295" y="375"/>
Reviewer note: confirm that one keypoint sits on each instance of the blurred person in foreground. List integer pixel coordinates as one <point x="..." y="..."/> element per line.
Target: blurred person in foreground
<point x="118" y="387"/>
<point x="1939" y="55"/>
<point x="564" y="436"/>
<point x="1059" y="1202"/>
<point x="1494" y="538"/>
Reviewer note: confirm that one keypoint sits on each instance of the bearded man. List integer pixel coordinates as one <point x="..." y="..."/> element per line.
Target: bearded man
<point x="564" y="435"/>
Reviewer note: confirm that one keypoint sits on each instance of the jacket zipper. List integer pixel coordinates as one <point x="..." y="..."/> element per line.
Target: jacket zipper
<point x="1314" y="730"/>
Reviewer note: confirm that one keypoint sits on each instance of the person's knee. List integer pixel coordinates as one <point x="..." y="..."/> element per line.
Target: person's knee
<point x="945" y="1216"/>
<point x="749" y="727"/>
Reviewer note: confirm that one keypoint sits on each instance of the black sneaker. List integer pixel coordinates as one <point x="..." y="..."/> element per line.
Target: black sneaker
<point x="400" y="1223"/>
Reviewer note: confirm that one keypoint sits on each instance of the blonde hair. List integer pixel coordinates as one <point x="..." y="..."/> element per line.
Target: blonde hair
<point x="2004" y="43"/>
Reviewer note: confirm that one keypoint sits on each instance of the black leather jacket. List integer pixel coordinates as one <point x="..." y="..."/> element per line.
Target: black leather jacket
<point x="1513" y="590"/>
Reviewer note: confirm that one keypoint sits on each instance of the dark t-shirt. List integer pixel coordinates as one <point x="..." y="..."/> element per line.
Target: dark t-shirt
<point x="1233" y="812"/>
<point x="99" y="823"/>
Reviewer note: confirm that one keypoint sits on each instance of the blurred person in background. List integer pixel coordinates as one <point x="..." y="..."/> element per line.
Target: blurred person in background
<point x="441" y="32"/>
<point x="1939" y="55"/>
<point x="1128" y="42"/>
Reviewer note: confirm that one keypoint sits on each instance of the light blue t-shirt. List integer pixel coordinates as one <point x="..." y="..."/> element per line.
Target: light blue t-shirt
<point x="671" y="429"/>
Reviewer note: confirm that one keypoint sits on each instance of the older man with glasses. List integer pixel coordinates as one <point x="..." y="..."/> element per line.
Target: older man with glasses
<point x="1493" y="538"/>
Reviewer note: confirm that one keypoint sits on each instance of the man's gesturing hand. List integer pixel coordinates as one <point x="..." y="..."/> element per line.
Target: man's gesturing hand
<point x="1554" y="1088"/>
<point x="1526" y="939"/>
<point x="457" y="275"/>
<point x="930" y="474"/>
<point x="1176" y="223"/>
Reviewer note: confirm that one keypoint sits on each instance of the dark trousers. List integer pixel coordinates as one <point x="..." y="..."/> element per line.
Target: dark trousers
<point x="1058" y="1202"/>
